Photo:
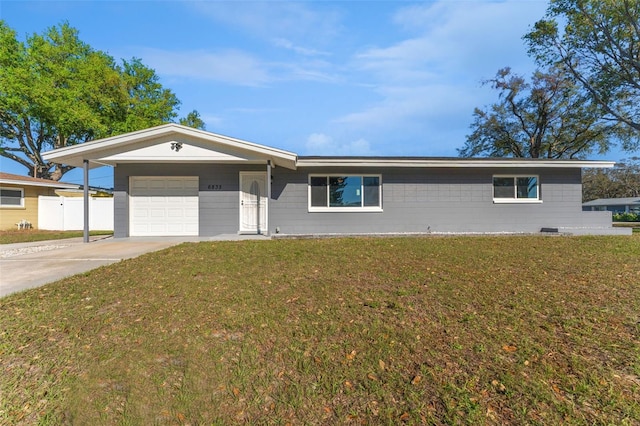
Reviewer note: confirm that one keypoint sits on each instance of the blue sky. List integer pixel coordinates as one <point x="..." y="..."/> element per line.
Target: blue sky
<point x="315" y="78"/>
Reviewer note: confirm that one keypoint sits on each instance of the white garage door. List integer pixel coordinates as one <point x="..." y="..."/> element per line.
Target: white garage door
<point x="163" y="206"/>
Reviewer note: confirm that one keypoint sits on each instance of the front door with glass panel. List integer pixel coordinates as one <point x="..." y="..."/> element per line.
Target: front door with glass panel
<point x="253" y="202"/>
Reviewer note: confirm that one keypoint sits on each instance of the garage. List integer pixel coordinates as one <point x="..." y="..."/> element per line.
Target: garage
<point x="163" y="206"/>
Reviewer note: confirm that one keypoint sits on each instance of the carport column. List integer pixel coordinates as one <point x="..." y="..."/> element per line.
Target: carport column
<point x="268" y="191"/>
<point x="86" y="200"/>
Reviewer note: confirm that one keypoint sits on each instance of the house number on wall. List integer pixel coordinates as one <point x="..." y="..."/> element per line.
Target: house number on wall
<point x="215" y="187"/>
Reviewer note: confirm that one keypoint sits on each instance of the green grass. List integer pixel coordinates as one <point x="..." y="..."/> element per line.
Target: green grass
<point x="471" y="330"/>
<point x="32" y="235"/>
<point x="635" y="226"/>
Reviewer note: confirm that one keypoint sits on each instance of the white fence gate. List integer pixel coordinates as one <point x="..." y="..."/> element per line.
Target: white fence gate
<point x="67" y="213"/>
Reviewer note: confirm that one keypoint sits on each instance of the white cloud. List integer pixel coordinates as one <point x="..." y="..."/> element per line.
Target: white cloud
<point x="276" y="19"/>
<point x="434" y="75"/>
<point x="234" y="67"/>
<point x="452" y="41"/>
<point x="309" y="70"/>
<point x="323" y="144"/>
<point x="286" y="44"/>
<point x="227" y="66"/>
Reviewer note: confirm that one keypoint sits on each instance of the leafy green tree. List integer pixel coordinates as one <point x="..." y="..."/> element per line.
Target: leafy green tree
<point x="57" y="91"/>
<point x="548" y="117"/>
<point x="598" y="43"/>
<point x="193" y="120"/>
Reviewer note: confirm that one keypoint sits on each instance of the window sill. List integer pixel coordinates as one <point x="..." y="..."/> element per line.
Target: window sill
<point x="515" y="201"/>
<point x="344" y="209"/>
<point x="13" y="207"/>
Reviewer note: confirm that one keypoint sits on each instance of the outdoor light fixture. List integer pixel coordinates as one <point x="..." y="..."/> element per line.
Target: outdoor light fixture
<point x="176" y="146"/>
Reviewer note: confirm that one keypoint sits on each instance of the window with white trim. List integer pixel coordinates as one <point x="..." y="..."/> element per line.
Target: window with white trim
<point x="11" y="197"/>
<point x="516" y="189"/>
<point x="345" y="192"/>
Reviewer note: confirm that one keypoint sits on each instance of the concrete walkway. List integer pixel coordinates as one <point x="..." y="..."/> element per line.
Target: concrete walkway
<point x="28" y="265"/>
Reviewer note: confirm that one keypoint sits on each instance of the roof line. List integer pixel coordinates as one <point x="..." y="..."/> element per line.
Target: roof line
<point x="316" y="161"/>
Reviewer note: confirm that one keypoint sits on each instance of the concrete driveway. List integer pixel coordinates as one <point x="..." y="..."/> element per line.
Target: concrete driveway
<point x="29" y="265"/>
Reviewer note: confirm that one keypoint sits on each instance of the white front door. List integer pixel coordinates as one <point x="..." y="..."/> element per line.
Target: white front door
<point x="253" y="202"/>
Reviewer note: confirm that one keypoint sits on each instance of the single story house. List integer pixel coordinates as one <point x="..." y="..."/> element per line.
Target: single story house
<point x="615" y="205"/>
<point x="19" y="199"/>
<point x="173" y="180"/>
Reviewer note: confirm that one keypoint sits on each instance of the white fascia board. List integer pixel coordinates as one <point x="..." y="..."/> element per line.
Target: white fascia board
<point x="42" y="184"/>
<point x="451" y="163"/>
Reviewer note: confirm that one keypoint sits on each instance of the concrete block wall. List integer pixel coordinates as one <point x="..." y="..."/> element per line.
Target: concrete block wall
<point x="413" y="200"/>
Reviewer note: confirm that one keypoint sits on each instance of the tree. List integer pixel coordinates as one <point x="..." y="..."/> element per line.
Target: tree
<point x="620" y="182"/>
<point x="56" y="91"/>
<point x="193" y="120"/>
<point x="548" y="117"/>
<point x="599" y="46"/>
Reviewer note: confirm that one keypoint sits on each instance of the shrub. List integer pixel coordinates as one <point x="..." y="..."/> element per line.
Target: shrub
<point x="626" y="217"/>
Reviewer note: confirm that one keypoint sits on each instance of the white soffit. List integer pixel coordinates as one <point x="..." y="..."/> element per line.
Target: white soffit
<point x="178" y="151"/>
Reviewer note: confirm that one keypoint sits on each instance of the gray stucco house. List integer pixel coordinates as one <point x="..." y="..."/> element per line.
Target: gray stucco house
<point x="173" y="180"/>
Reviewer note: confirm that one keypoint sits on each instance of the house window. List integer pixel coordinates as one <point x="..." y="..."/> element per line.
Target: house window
<point x="345" y="193"/>
<point x="11" y="197"/>
<point x="509" y="189"/>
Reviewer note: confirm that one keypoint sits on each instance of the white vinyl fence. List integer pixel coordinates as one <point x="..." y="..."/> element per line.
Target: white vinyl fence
<point x="67" y="213"/>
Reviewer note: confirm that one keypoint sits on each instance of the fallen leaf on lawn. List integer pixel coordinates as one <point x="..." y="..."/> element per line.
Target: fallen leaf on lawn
<point x="416" y="380"/>
<point x="381" y="364"/>
<point x="352" y="355"/>
<point x="491" y="413"/>
<point x="405" y="416"/>
<point x="348" y="385"/>
<point x="373" y="377"/>
<point x="236" y="391"/>
<point x="509" y="348"/>
<point x="499" y="386"/>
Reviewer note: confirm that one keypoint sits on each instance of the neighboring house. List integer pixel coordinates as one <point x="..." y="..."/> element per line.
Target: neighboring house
<point x="175" y="180"/>
<point x="19" y="198"/>
<point x="615" y="205"/>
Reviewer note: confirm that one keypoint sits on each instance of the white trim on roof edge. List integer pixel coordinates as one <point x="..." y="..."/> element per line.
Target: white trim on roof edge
<point x="450" y="162"/>
<point x="53" y="184"/>
<point x="98" y="153"/>
<point x="74" y="155"/>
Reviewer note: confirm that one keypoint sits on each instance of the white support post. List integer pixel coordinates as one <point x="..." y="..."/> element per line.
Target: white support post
<point x="268" y="193"/>
<point x="268" y="180"/>
<point x="86" y="200"/>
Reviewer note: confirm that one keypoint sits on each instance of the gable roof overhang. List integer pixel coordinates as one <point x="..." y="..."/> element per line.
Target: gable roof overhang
<point x="446" y="162"/>
<point x="11" y="179"/>
<point x="158" y="145"/>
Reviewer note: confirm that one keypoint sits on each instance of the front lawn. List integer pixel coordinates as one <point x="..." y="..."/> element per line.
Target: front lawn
<point x="32" y="235"/>
<point x="439" y="330"/>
